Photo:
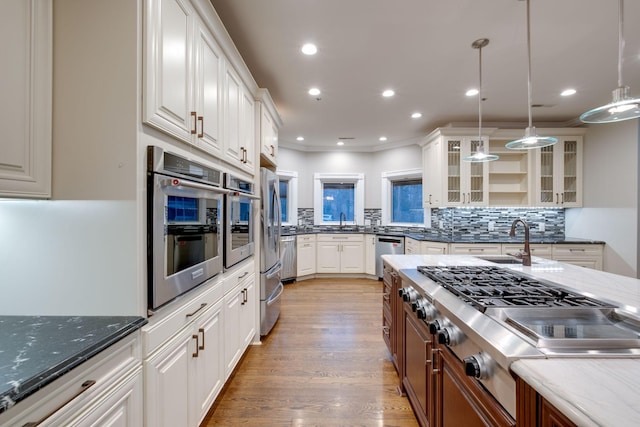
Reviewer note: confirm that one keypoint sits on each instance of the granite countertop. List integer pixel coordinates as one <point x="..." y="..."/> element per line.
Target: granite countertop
<point x="448" y="239"/>
<point x="591" y="391"/>
<point x="36" y="350"/>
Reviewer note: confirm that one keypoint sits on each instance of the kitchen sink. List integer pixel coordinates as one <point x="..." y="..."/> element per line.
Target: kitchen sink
<point x="501" y="259"/>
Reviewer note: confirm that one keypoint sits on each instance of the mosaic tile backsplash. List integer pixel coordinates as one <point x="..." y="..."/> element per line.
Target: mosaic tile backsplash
<point x="463" y="223"/>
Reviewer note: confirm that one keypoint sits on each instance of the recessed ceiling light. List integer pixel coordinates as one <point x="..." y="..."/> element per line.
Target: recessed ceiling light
<point x="314" y="91"/>
<point x="383" y="138"/>
<point x="309" y="49"/>
<point x="471" y="92"/>
<point x="568" y="92"/>
<point x="300" y="138"/>
<point x="339" y="143"/>
<point x="416" y="115"/>
<point x="388" y="93"/>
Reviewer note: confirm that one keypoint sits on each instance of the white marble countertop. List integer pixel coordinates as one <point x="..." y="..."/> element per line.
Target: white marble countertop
<point x="590" y="392"/>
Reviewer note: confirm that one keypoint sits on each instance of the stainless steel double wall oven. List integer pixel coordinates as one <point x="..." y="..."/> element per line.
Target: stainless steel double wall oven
<point x="197" y="224"/>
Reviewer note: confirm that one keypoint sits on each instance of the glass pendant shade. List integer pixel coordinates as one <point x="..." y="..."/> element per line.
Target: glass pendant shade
<point x="623" y="106"/>
<point x="531" y="140"/>
<point x="480" y="156"/>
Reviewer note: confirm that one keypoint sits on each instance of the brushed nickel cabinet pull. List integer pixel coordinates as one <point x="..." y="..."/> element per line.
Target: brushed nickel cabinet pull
<point x="195" y="123"/>
<point x="197" y="353"/>
<point x="434" y="353"/>
<point x="243" y="275"/>
<point x="201" y="120"/>
<point x="84" y="387"/>
<point x="273" y="150"/>
<point x="201" y="331"/>
<point x="562" y="198"/>
<point x="203" y="305"/>
<point x="557" y="198"/>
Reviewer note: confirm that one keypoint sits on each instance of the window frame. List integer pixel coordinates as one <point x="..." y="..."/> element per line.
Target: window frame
<point x="319" y="179"/>
<point x="292" y="201"/>
<point x="388" y="179"/>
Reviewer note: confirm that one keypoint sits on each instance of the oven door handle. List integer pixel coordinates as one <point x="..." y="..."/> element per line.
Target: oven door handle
<point x="177" y="182"/>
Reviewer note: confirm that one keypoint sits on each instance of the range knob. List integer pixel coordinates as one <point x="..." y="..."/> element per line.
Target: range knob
<point x="449" y="335"/>
<point x="409" y="295"/>
<point x="418" y="303"/>
<point x="435" y="326"/>
<point x="478" y="366"/>
<point x="427" y="311"/>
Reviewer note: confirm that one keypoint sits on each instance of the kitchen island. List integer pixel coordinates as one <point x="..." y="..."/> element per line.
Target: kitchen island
<point x="599" y="388"/>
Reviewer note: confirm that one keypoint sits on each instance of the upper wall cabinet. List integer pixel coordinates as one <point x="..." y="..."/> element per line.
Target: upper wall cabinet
<point x="460" y="183"/>
<point x="183" y="75"/>
<point x="269" y="126"/>
<point x="239" y="119"/>
<point x="559" y="173"/>
<point x="25" y="154"/>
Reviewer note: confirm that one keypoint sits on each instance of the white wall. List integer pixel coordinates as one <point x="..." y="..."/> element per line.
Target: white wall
<point x="610" y="204"/>
<point x="371" y="164"/>
<point x="68" y="258"/>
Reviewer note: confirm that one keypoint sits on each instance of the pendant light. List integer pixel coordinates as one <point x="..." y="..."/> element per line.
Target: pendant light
<point x="531" y="139"/>
<point x="480" y="155"/>
<point x="623" y="107"/>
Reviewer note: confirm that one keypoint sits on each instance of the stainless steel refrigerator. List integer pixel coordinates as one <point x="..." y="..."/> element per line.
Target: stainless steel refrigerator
<point x="270" y="263"/>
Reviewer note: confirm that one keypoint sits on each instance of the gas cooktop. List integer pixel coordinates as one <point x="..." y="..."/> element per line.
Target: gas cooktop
<point x="493" y="287"/>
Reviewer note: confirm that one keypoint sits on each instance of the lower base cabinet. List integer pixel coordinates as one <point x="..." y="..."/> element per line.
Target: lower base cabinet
<point x="239" y="322"/>
<point x="183" y="378"/>
<point x="533" y="410"/>
<point x="106" y="390"/>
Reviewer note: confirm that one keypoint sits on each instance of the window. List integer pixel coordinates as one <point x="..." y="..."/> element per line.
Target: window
<point x="288" y="196"/>
<point x="338" y="195"/>
<point x="402" y="198"/>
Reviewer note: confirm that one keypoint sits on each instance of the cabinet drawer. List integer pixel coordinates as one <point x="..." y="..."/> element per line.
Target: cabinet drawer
<point x="340" y="238"/>
<point x="537" y="249"/>
<point x="170" y="320"/>
<point x="577" y="250"/>
<point x="434" y="248"/>
<point x="234" y="277"/>
<point x="66" y="397"/>
<point x="475" y="249"/>
<point x="306" y="238"/>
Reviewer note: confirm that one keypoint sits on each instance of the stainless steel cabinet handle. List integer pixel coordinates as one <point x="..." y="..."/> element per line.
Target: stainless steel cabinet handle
<point x="243" y="275"/>
<point x="273" y="150"/>
<point x="562" y="198"/>
<point x="557" y="198"/>
<point x="434" y="354"/>
<point x="84" y="387"/>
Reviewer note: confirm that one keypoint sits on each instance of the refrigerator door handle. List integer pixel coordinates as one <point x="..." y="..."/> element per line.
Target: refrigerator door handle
<point x="278" y="292"/>
<point x="274" y="270"/>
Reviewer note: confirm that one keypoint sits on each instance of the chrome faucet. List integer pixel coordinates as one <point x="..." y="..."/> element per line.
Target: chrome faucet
<point x="525" y="256"/>
<point x="342" y="215"/>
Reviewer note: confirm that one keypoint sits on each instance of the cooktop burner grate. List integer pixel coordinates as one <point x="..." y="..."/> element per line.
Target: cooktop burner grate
<point x="488" y="286"/>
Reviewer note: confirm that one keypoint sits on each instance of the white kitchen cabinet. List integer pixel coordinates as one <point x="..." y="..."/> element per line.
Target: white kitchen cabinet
<point x="370" y="254"/>
<point x="26" y="104"/>
<point x="462" y="184"/>
<point x="340" y="253"/>
<point x="558" y="175"/>
<point x="105" y="390"/>
<point x="239" y="317"/>
<point x="411" y="246"/>
<point x="185" y="375"/>
<point x="588" y="255"/>
<point x="542" y="250"/>
<point x="432" y="174"/>
<point x="306" y="254"/>
<point x="247" y="132"/>
<point x="269" y="125"/>
<point x="434" y="248"/>
<point x="475" y="249"/>
<point x="510" y="177"/>
<point x="183" y="66"/>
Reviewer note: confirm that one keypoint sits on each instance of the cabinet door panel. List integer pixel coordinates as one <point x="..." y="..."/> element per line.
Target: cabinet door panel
<point x="169" y="70"/>
<point x="208" y="91"/>
<point x="328" y="257"/>
<point x="232" y="117"/>
<point x="351" y="258"/>
<point x="232" y="312"/>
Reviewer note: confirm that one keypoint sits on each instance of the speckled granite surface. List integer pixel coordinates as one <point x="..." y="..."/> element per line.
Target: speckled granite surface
<point x="36" y="350"/>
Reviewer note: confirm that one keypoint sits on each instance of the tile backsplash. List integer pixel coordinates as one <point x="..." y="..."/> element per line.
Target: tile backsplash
<point x="465" y="223"/>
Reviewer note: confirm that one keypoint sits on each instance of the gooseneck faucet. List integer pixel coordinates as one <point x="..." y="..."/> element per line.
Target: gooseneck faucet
<point x="526" y="255"/>
<point x="342" y="216"/>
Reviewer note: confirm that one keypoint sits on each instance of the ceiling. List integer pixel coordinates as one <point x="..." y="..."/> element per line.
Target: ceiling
<point x="422" y="50"/>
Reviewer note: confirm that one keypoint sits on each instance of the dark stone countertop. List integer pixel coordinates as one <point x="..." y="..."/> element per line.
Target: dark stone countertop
<point x="448" y="239"/>
<point x="36" y="350"/>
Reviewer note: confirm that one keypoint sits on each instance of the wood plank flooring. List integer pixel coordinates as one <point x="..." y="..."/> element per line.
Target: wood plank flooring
<point x="324" y="364"/>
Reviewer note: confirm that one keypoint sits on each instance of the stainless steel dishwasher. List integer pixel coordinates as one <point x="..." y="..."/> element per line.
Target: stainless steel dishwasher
<point x="288" y="257"/>
<point x="387" y="245"/>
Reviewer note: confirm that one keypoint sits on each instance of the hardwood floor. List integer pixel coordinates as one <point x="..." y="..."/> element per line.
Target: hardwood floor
<point x="324" y="364"/>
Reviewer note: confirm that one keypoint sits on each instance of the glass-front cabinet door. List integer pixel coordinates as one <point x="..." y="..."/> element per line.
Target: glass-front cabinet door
<point x="559" y="173"/>
<point x="467" y="183"/>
